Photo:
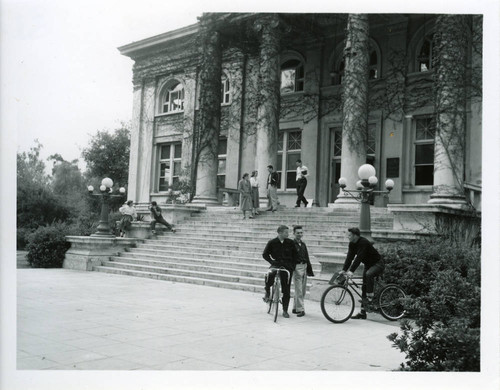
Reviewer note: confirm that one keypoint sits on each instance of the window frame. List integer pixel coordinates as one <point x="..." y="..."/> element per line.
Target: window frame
<point x="283" y="154"/>
<point x="166" y="98"/>
<point x="172" y="160"/>
<point x="222" y="157"/>
<point x="225" y="90"/>
<point x="297" y="78"/>
<point x="421" y="142"/>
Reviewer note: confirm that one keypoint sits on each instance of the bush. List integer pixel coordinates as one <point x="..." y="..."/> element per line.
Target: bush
<point x="443" y="281"/>
<point x="22" y="237"/>
<point x="47" y="246"/>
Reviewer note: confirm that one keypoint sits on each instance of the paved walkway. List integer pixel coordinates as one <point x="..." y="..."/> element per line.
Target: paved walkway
<point x="73" y="320"/>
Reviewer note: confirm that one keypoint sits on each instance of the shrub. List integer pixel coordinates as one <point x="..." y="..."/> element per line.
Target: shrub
<point x="47" y="246"/>
<point x="443" y="281"/>
<point x="22" y="237"/>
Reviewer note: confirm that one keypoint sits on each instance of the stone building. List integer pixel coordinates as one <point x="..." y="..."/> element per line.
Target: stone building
<point x="237" y="92"/>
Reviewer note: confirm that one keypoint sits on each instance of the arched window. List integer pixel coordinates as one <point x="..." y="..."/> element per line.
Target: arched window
<point x="292" y="76"/>
<point x="225" y="90"/>
<point x="425" y="54"/>
<point x="173" y="97"/>
<point x="338" y="63"/>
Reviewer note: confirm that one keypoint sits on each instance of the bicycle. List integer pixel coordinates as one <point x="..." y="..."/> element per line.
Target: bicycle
<point x="337" y="302"/>
<point x="274" y="299"/>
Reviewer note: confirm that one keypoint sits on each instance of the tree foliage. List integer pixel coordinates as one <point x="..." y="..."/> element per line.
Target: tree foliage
<point x="108" y="155"/>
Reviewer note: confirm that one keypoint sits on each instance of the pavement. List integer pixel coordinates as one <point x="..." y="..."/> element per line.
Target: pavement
<point x="75" y="320"/>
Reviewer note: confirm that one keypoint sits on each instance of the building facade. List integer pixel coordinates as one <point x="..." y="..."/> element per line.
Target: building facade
<point x="237" y="92"/>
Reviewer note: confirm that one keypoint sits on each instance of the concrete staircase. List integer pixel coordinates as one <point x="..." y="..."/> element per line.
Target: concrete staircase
<point x="216" y="247"/>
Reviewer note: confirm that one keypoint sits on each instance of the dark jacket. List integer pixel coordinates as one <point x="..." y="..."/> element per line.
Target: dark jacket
<point x="365" y="253"/>
<point x="272" y="179"/>
<point x="305" y="255"/>
<point x="284" y="254"/>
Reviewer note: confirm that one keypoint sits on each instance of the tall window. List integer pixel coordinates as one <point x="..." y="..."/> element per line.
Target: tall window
<point x="425" y="130"/>
<point x="221" y="170"/>
<point x="289" y="150"/>
<point x="292" y="76"/>
<point x="370" y="143"/>
<point x="174" y="98"/>
<point x="170" y="165"/>
<point x="426" y="54"/>
<point x="225" y="90"/>
<point x="373" y="65"/>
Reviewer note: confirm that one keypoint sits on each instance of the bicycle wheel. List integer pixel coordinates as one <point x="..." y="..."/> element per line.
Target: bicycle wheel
<point x="270" y="300"/>
<point x="391" y="302"/>
<point x="337" y="304"/>
<point x="276" y="297"/>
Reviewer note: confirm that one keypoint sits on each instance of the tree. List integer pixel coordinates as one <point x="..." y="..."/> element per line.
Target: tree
<point x="108" y="155"/>
<point x="36" y="203"/>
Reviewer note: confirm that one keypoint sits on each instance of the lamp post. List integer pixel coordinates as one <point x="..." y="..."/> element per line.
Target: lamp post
<point x="103" y="229"/>
<point x="365" y="187"/>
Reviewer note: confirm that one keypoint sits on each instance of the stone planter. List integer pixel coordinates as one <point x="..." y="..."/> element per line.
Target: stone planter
<point x="86" y="252"/>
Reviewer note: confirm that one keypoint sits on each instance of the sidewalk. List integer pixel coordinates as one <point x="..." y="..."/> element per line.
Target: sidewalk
<point x="73" y="320"/>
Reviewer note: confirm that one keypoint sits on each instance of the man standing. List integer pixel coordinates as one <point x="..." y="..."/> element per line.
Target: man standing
<point x="272" y="189"/>
<point x="301" y="180"/>
<point x="303" y="269"/>
<point x="374" y="265"/>
<point x="280" y="252"/>
<point x="157" y="217"/>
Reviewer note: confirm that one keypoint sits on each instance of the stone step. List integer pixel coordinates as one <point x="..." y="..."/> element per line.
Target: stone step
<point x="179" y="251"/>
<point x="273" y="224"/>
<point x="197" y="259"/>
<point x="255" y="246"/>
<point x="233" y="239"/>
<point x="287" y="219"/>
<point x="302" y="210"/>
<point x="182" y="279"/>
<point x="271" y="231"/>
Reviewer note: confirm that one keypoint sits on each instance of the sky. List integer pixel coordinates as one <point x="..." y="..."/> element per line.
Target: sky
<point x="65" y="77"/>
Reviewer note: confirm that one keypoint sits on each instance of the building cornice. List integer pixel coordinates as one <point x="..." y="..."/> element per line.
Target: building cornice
<point x="136" y="49"/>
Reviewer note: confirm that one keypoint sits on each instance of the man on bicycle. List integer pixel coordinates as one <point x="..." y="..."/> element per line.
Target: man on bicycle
<point x="280" y="252"/>
<point x="365" y="253"/>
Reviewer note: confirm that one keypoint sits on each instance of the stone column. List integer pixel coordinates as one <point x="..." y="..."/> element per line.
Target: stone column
<point x="355" y="103"/>
<point x="135" y="134"/>
<point x="207" y="132"/>
<point x="269" y="97"/>
<point x="450" y="98"/>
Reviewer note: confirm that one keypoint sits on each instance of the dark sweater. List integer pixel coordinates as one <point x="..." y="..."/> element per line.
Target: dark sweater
<point x="365" y="253"/>
<point x="284" y="254"/>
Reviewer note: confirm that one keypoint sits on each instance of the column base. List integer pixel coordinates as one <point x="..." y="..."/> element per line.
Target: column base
<point x="449" y="200"/>
<point x="206" y="201"/>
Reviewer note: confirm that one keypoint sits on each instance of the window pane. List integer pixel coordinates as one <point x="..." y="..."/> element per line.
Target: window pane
<point x="222" y="146"/>
<point x="373" y="58"/>
<point x="370" y="147"/>
<point x="279" y="162"/>
<point x="163" y="184"/>
<point x="337" y="147"/>
<point x="424" y="154"/>
<point x="221" y="181"/>
<point x="287" y="80"/>
<point x="165" y="152"/>
<point x="294" y="140"/>
<point x="291" y="159"/>
<point x="279" y="180"/>
<point x="291" y="179"/>
<point x="424" y="175"/>
<point x="280" y="141"/>
<point x="221" y="169"/>
<point x="177" y="168"/>
<point x="425" y="129"/>
<point x="175" y="180"/>
<point x="164" y="169"/>
<point x="290" y="64"/>
<point x="300" y="72"/>
<point x="178" y="151"/>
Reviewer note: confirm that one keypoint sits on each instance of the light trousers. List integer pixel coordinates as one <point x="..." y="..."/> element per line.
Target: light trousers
<point x="299" y="282"/>
<point x="272" y="195"/>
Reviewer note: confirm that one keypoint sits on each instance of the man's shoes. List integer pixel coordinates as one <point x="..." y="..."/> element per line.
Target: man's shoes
<point x="286" y="315"/>
<point x="305" y="204"/>
<point x="301" y="314"/>
<point x="273" y="210"/>
<point x="153" y="231"/>
<point x="294" y="311"/>
<point x="297" y="205"/>
<point x="266" y="297"/>
<point x="359" y="316"/>
<point x="269" y="209"/>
